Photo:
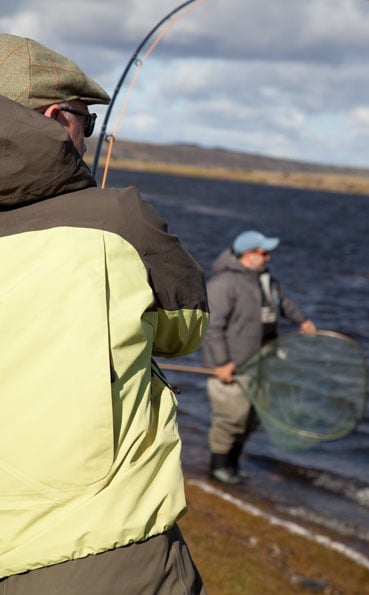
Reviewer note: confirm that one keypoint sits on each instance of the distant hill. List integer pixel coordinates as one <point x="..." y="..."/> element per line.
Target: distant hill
<point x="195" y="155"/>
<point x="191" y="159"/>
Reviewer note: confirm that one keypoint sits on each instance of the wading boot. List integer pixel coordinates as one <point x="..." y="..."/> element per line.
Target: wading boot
<point x="233" y="458"/>
<point x="221" y="471"/>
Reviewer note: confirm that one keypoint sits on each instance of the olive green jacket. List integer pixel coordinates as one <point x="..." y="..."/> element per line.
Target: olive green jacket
<point x="91" y="286"/>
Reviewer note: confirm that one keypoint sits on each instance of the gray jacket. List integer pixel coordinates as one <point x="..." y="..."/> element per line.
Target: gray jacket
<point x="236" y="331"/>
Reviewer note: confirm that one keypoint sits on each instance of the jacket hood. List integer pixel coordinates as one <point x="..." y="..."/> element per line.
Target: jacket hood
<point x="227" y="261"/>
<point x="37" y="157"/>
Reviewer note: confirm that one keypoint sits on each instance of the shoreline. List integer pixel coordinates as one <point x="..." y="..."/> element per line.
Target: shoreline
<point x="290" y="526"/>
<point x="326" y="182"/>
<point x="237" y="545"/>
<point x="244" y="542"/>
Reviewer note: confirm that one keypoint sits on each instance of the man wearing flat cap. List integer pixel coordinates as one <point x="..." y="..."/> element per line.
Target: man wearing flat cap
<point x="91" y="483"/>
<point x="245" y="303"/>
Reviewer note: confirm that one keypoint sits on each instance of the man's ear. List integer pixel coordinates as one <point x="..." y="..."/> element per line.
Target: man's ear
<point x="53" y="111"/>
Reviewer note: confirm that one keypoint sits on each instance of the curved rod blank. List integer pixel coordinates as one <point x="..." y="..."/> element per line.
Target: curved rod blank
<point x="133" y="58"/>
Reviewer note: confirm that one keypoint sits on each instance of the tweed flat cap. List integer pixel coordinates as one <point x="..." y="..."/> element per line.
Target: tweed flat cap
<point x="36" y="76"/>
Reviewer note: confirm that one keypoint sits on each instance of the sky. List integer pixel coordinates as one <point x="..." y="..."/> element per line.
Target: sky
<point x="283" y="78"/>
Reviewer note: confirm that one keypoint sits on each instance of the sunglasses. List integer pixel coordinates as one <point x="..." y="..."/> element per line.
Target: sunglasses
<point x="261" y="252"/>
<point x="89" y="122"/>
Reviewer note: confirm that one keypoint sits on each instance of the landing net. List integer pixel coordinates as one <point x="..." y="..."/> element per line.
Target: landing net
<point x="307" y="388"/>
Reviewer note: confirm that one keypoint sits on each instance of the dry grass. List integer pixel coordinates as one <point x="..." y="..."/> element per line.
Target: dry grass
<point x="330" y="182"/>
<point x="238" y="553"/>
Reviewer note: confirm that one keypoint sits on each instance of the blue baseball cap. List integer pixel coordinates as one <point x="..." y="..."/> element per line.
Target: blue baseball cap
<point x="253" y="240"/>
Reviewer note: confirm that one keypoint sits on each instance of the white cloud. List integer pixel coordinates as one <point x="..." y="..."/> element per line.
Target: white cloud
<point x="359" y="119"/>
<point x="281" y="77"/>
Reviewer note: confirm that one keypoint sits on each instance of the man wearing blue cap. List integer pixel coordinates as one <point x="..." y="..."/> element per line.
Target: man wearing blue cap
<point x="245" y="303"/>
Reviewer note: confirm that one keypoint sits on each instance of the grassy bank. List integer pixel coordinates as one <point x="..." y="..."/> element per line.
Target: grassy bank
<point x="329" y="182"/>
<point x="239" y="553"/>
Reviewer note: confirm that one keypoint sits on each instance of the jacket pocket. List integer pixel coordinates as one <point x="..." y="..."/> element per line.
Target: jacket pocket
<point x="56" y="421"/>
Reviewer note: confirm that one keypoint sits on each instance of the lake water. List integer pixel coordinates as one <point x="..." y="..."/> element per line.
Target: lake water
<point x="322" y="262"/>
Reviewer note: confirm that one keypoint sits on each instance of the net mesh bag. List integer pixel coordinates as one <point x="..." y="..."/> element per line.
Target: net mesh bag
<point x="307" y="388"/>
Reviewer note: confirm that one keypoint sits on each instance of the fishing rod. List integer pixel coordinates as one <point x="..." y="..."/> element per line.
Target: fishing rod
<point x="134" y="59"/>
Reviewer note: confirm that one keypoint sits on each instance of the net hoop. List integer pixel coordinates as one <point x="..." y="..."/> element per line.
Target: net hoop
<point x="280" y="420"/>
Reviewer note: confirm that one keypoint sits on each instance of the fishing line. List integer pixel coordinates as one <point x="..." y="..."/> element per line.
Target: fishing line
<point x="168" y="20"/>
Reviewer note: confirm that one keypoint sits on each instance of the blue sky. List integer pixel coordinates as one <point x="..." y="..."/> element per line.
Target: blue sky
<point x="286" y="78"/>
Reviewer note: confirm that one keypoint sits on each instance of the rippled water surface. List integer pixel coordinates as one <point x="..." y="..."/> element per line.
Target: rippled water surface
<point x="322" y="262"/>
